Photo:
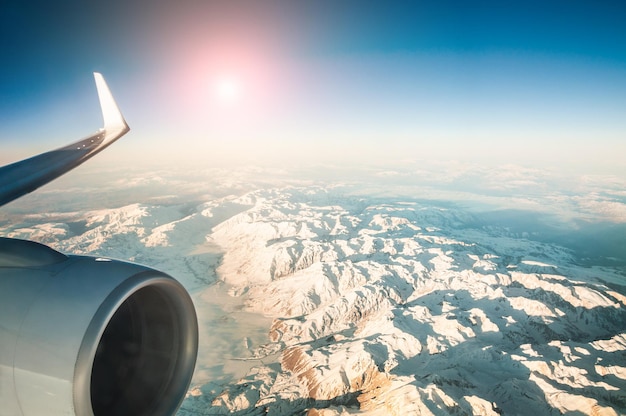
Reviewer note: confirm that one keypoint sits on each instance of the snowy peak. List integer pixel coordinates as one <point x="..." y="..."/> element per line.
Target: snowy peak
<point x="404" y="302"/>
<point x="378" y="306"/>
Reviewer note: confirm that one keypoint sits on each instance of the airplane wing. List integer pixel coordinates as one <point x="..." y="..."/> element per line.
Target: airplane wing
<point x="84" y="335"/>
<point x="23" y="177"/>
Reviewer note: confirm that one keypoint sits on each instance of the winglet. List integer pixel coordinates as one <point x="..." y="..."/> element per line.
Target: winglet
<point x="25" y="176"/>
<point x="113" y="119"/>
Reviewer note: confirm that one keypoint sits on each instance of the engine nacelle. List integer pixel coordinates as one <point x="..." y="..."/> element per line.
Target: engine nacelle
<point x="91" y="336"/>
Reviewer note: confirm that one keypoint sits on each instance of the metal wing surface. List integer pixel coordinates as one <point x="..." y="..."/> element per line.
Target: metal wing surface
<point x="20" y="178"/>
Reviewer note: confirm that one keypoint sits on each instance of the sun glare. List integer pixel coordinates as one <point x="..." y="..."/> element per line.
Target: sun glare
<point x="227" y="90"/>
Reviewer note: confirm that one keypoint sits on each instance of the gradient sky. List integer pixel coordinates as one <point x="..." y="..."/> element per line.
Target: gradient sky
<point x="533" y="82"/>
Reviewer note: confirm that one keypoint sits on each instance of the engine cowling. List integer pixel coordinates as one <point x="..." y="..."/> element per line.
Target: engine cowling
<point x="91" y="336"/>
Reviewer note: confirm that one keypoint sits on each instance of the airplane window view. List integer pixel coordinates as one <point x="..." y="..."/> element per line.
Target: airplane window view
<point x="321" y="208"/>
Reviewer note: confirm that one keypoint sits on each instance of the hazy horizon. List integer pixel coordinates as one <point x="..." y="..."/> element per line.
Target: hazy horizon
<point x="533" y="84"/>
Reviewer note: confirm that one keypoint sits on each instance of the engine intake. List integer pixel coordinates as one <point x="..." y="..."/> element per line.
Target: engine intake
<point x="92" y="336"/>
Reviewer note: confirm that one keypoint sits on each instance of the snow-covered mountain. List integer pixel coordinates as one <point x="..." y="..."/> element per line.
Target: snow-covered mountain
<point x="389" y="306"/>
<point x="395" y="307"/>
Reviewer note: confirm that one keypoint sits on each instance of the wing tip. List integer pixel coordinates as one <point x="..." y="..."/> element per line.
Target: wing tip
<point x="111" y="114"/>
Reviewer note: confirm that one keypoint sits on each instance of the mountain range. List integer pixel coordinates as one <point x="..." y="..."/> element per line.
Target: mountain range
<point x="370" y="305"/>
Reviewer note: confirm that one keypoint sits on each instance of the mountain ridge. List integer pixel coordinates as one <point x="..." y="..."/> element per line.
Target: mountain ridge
<point x="379" y="306"/>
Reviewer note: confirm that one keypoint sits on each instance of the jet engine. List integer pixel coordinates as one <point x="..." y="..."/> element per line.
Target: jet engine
<point x="91" y="336"/>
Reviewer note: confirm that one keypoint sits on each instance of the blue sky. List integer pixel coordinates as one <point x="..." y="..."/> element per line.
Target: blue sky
<point x="529" y="82"/>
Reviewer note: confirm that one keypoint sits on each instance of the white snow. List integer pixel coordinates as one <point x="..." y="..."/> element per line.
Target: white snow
<point x="341" y="305"/>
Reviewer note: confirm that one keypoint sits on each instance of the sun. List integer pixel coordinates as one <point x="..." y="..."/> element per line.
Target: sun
<point x="227" y="90"/>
